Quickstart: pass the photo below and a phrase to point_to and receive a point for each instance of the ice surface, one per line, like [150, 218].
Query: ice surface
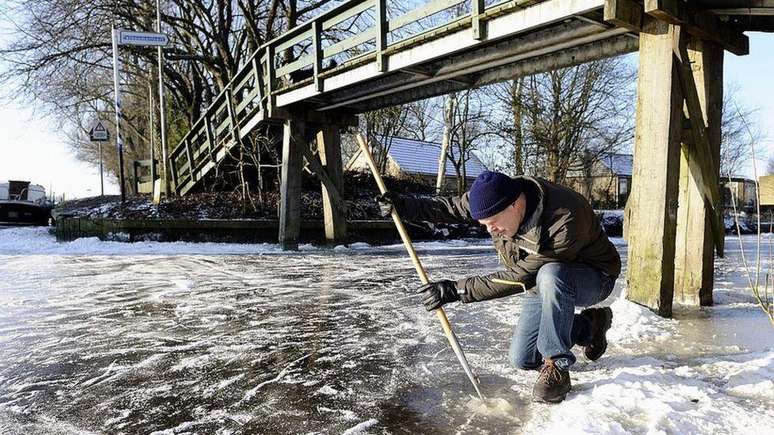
[104, 337]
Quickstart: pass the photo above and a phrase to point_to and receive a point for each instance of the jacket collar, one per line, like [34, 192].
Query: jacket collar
[530, 229]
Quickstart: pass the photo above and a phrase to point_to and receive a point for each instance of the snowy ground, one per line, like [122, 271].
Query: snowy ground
[101, 337]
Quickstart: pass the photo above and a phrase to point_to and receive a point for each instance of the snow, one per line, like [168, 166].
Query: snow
[169, 338]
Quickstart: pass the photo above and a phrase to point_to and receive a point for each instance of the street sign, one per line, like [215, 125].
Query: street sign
[128, 37]
[99, 133]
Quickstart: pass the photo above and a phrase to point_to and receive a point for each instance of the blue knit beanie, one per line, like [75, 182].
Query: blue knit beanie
[491, 193]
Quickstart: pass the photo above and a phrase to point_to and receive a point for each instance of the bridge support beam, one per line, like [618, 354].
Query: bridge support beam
[334, 213]
[293, 141]
[695, 249]
[671, 211]
[652, 210]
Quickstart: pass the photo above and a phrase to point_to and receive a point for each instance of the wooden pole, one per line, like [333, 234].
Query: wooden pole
[420, 270]
[695, 256]
[290, 187]
[652, 207]
[329, 150]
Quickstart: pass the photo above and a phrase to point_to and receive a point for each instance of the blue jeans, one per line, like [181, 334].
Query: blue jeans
[548, 325]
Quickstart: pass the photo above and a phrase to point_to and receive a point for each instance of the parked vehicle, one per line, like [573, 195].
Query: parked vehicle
[23, 203]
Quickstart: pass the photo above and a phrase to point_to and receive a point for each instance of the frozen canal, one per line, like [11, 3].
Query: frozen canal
[100, 337]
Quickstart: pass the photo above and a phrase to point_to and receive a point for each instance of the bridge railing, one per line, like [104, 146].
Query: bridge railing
[355, 31]
[361, 28]
[220, 126]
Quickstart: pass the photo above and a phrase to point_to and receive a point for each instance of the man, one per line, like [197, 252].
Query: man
[552, 244]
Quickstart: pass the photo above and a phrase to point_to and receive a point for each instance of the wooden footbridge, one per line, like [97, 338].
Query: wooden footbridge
[364, 55]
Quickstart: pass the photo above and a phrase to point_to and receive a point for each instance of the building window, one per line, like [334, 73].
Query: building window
[623, 190]
[623, 186]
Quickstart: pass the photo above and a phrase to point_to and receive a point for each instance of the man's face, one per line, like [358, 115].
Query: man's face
[506, 223]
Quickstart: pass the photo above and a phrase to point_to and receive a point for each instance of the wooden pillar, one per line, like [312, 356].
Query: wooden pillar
[695, 255]
[652, 208]
[329, 150]
[293, 139]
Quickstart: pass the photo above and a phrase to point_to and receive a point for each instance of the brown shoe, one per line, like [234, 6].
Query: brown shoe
[552, 384]
[601, 319]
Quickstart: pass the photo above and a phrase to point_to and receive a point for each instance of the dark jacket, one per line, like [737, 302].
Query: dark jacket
[562, 228]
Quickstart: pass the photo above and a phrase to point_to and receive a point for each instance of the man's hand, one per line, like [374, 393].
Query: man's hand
[436, 294]
[388, 201]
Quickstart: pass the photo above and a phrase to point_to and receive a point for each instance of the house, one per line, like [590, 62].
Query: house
[744, 193]
[606, 181]
[416, 159]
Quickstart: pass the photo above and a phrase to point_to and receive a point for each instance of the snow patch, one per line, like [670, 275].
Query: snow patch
[745, 375]
[361, 427]
[633, 323]
[182, 427]
[328, 391]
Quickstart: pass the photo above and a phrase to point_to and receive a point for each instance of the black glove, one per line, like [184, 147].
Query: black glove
[387, 202]
[436, 294]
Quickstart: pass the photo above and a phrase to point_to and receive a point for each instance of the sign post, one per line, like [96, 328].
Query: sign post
[117, 101]
[143, 39]
[99, 133]
[162, 112]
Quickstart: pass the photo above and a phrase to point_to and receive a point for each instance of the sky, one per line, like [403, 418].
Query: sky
[33, 148]
[751, 75]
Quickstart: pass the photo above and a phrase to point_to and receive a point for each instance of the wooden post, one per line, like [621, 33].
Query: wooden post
[210, 136]
[271, 100]
[381, 34]
[695, 255]
[136, 175]
[318, 54]
[189, 155]
[293, 139]
[329, 150]
[257, 77]
[652, 208]
[478, 8]
[231, 107]
[173, 172]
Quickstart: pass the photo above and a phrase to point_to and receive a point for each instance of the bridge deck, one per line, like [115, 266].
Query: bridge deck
[516, 39]
[360, 56]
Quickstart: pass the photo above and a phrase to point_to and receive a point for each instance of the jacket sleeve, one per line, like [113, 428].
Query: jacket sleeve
[495, 285]
[562, 246]
[451, 209]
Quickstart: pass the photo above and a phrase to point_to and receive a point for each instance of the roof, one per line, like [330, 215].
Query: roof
[420, 157]
[619, 164]
[736, 178]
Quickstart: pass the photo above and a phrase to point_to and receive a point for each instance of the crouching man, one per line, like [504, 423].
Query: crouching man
[551, 244]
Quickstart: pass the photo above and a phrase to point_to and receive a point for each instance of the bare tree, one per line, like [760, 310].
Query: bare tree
[549, 120]
[470, 129]
[509, 127]
[735, 139]
[448, 125]
[422, 121]
[381, 126]
[65, 64]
